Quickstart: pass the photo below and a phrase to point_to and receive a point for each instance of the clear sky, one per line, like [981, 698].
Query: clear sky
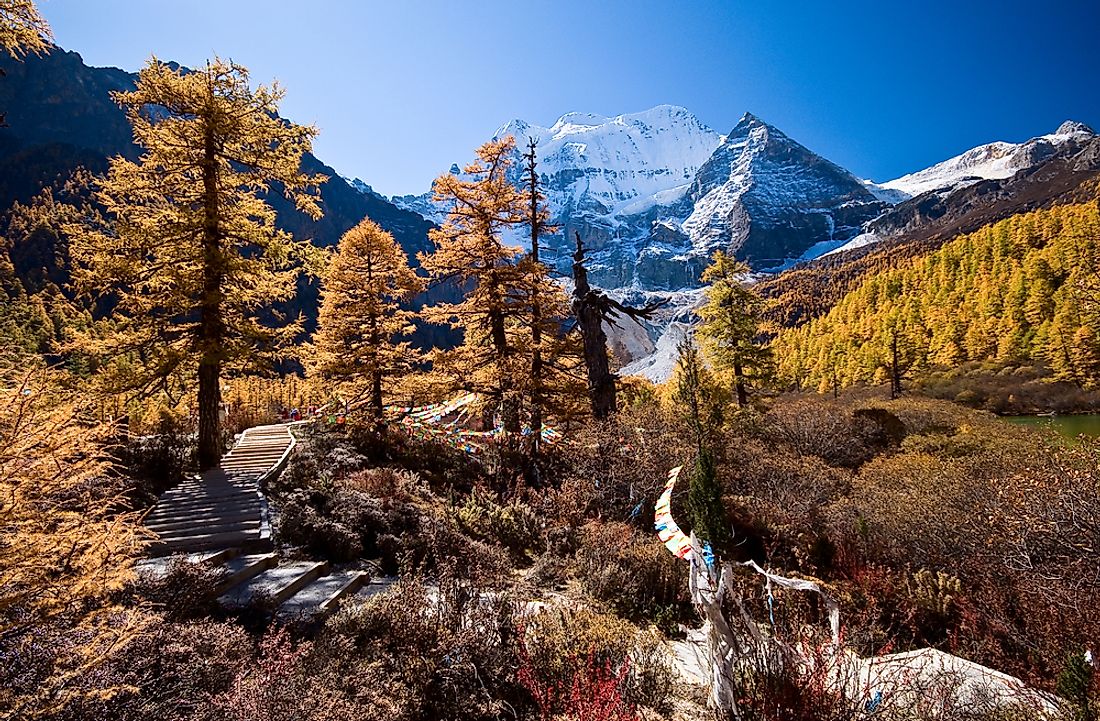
[403, 88]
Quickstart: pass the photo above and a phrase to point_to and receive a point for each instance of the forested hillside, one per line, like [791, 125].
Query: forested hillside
[1023, 291]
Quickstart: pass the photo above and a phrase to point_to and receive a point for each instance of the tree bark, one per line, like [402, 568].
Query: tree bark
[536, 316]
[739, 384]
[601, 381]
[377, 408]
[895, 370]
[509, 413]
[211, 324]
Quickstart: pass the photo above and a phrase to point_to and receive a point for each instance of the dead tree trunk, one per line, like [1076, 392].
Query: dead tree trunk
[586, 307]
[592, 309]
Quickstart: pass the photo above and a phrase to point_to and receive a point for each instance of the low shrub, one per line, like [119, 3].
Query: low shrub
[158, 461]
[442, 653]
[834, 432]
[635, 576]
[559, 642]
[301, 524]
[184, 592]
[514, 525]
[170, 673]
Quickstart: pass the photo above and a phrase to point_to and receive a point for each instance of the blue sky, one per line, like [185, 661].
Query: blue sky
[402, 89]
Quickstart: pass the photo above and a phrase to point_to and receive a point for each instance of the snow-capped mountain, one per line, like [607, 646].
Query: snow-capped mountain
[992, 161]
[596, 170]
[768, 198]
[654, 194]
[617, 166]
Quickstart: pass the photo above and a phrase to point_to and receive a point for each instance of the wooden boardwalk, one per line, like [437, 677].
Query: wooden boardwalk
[224, 507]
[221, 519]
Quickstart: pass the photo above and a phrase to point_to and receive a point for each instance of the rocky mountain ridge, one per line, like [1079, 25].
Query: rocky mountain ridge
[655, 193]
[652, 193]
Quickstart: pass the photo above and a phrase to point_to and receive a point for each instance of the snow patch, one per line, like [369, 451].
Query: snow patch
[992, 161]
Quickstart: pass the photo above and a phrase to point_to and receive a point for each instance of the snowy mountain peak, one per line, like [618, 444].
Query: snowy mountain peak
[601, 165]
[579, 121]
[770, 199]
[1072, 127]
[992, 161]
[747, 122]
[516, 128]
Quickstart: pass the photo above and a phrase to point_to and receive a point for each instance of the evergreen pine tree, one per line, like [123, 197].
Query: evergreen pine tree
[704, 505]
[1074, 684]
[730, 328]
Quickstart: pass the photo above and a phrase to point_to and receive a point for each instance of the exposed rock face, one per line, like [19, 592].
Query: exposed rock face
[924, 223]
[1051, 170]
[767, 198]
[760, 195]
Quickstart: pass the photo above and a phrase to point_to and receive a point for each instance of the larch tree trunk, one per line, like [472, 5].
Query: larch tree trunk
[376, 406]
[739, 385]
[211, 324]
[498, 332]
[536, 398]
[895, 369]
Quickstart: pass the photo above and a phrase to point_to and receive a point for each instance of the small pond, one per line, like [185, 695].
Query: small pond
[1069, 427]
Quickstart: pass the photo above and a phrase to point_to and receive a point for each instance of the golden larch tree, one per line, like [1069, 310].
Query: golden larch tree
[470, 252]
[22, 28]
[361, 323]
[66, 547]
[554, 384]
[190, 259]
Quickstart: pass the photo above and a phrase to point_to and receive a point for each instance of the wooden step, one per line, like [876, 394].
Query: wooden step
[202, 521]
[171, 534]
[203, 515]
[195, 502]
[276, 584]
[199, 499]
[251, 540]
[323, 595]
[252, 454]
[240, 569]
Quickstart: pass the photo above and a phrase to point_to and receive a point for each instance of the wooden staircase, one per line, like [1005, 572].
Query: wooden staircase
[221, 519]
[223, 507]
